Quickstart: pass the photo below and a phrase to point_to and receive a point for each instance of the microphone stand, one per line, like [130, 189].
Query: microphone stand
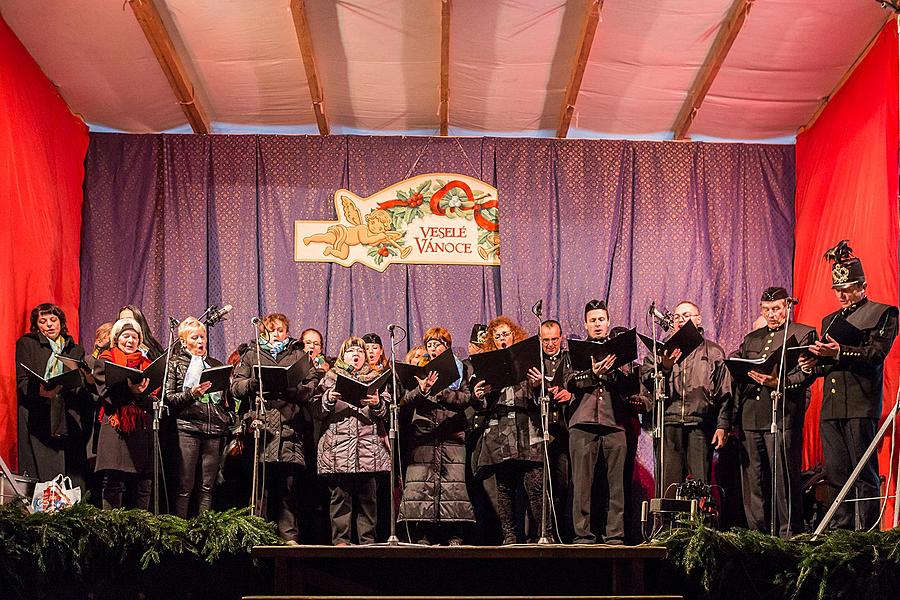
[256, 424]
[777, 395]
[393, 425]
[659, 409]
[159, 406]
[544, 401]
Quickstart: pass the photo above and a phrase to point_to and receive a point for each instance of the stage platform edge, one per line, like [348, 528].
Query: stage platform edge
[500, 572]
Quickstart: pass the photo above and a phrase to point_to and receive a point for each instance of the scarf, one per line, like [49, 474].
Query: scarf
[273, 348]
[54, 365]
[192, 378]
[129, 417]
[365, 374]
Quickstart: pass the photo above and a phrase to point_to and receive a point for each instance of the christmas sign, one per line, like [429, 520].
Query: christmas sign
[438, 218]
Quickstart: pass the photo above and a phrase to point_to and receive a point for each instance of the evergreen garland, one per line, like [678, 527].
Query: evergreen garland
[747, 565]
[84, 551]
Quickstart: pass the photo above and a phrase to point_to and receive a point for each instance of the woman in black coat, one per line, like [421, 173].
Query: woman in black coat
[124, 447]
[51, 425]
[203, 419]
[510, 445]
[283, 419]
[434, 492]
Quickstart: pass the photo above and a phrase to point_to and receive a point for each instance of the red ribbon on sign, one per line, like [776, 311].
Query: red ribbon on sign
[469, 205]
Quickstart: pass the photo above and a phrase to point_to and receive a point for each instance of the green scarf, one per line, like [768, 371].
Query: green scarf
[54, 365]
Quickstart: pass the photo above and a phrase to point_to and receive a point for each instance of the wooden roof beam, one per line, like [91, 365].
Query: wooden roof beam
[592, 19]
[444, 109]
[148, 16]
[728, 32]
[301, 26]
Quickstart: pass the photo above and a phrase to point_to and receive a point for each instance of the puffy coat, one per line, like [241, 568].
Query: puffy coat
[190, 413]
[351, 439]
[286, 413]
[435, 486]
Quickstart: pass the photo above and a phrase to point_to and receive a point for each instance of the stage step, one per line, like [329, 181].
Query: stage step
[435, 573]
[463, 597]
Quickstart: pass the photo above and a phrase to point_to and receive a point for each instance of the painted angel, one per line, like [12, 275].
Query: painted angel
[376, 230]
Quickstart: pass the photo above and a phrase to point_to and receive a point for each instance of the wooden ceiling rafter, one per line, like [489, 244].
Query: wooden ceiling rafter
[588, 31]
[150, 20]
[728, 32]
[304, 39]
[444, 109]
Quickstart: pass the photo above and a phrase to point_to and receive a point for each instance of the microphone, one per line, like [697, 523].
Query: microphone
[255, 320]
[792, 301]
[173, 322]
[217, 315]
[538, 307]
[665, 319]
[392, 327]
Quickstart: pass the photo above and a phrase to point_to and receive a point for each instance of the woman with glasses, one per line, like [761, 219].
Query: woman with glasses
[434, 495]
[314, 346]
[352, 446]
[510, 446]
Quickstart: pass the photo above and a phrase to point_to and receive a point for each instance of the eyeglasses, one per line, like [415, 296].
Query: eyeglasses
[312, 343]
[685, 316]
[500, 335]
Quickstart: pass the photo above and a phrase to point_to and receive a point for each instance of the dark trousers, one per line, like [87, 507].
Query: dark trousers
[598, 463]
[757, 448]
[844, 441]
[561, 481]
[126, 490]
[687, 451]
[281, 498]
[353, 501]
[511, 476]
[196, 450]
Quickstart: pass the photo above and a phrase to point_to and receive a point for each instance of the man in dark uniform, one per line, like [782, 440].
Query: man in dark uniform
[754, 416]
[597, 444]
[698, 406]
[556, 365]
[852, 394]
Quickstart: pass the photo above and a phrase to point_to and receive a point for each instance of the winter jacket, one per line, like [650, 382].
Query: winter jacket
[435, 484]
[286, 412]
[351, 439]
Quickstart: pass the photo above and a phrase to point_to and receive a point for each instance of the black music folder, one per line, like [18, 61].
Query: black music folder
[155, 372]
[69, 380]
[623, 346]
[508, 366]
[353, 391]
[444, 365]
[275, 378]
[741, 367]
[687, 339]
[843, 332]
[220, 377]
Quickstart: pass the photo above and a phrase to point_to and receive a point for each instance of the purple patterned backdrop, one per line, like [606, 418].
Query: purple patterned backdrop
[173, 223]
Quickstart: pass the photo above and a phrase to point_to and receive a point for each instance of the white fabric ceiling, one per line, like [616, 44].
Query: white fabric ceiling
[510, 61]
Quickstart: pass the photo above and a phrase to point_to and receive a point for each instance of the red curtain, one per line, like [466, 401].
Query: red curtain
[42, 149]
[847, 189]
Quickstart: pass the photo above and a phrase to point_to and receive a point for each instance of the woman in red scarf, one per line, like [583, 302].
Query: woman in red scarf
[125, 444]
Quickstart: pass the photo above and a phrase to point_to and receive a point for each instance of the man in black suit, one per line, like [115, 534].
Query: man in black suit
[853, 387]
[754, 416]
